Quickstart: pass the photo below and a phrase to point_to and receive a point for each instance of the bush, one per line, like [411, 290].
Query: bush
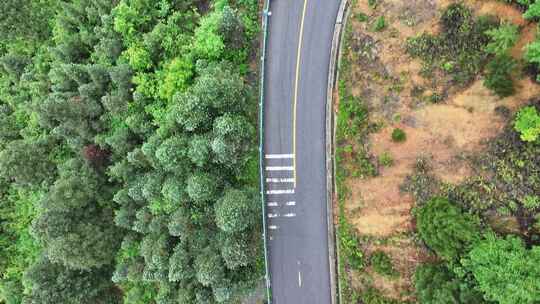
[498, 75]
[380, 24]
[374, 296]
[382, 264]
[462, 38]
[436, 284]
[502, 39]
[528, 124]
[532, 54]
[533, 11]
[446, 229]
[386, 159]
[398, 135]
[350, 246]
[352, 117]
[531, 202]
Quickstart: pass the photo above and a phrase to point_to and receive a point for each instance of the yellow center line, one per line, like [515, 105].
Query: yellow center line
[295, 100]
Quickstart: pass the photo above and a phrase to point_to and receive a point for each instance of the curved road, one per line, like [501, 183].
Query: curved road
[298, 57]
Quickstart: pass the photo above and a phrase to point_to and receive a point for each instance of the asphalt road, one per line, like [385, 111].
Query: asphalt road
[298, 56]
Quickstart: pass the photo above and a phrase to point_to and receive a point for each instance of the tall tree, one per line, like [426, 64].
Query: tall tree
[53, 283]
[446, 229]
[506, 271]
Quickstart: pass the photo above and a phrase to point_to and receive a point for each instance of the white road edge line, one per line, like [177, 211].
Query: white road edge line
[278, 156]
[277, 168]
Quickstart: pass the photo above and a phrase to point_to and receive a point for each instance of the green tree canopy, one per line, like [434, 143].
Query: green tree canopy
[528, 123]
[235, 210]
[533, 11]
[446, 229]
[502, 38]
[499, 75]
[202, 187]
[505, 270]
[53, 283]
[436, 284]
[26, 162]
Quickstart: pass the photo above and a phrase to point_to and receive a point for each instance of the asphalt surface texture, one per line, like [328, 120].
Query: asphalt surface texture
[298, 56]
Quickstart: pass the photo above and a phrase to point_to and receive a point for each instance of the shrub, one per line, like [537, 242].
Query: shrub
[446, 229]
[398, 135]
[422, 183]
[380, 24]
[350, 246]
[533, 11]
[498, 75]
[462, 38]
[532, 54]
[531, 202]
[361, 17]
[436, 284]
[386, 159]
[382, 263]
[352, 117]
[374, 296]
[502, 38]
[528, 124]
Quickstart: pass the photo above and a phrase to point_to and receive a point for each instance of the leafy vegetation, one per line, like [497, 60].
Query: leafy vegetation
[482, 265]
[460, 45]
[480, 235]
[382, 263]
[499, 75]
[126, 152]
[502, 39]
[446, 229]
[436, 284]
[398, 135]
[386, 159]
[505, 270]
[528, 124]
[380, 24]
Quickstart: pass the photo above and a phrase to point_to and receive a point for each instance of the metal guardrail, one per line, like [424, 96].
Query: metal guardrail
[333, 76]
[337, 49]
[265, 15]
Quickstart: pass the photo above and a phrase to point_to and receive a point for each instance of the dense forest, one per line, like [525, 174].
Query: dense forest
[128, 163]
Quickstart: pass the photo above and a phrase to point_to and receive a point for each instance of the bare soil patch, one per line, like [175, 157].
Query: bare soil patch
[390, 82]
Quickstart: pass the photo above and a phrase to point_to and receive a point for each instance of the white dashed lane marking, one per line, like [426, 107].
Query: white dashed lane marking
[280, 168]
[279, 180]
[279, 156]
[286, 191]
